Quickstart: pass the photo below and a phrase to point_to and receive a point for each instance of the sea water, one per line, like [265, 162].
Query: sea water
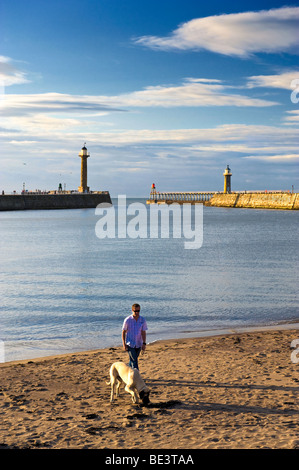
[63, 289]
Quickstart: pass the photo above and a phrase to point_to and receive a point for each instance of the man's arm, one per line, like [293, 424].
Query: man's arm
[143, 334]
[123, 335]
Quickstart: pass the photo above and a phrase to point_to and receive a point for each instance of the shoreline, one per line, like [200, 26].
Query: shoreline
[292, 324]
[230, 391]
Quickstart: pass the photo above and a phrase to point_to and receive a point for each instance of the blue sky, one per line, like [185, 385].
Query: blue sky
[166, 91]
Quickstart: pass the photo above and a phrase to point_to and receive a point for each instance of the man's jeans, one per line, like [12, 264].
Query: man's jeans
[133, 355]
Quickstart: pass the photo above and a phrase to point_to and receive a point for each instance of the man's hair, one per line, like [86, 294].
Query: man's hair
[135, 305]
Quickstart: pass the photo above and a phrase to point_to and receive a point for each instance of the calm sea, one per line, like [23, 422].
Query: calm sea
[64, 290]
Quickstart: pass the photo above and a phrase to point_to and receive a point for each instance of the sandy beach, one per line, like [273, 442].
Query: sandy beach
[235, 391]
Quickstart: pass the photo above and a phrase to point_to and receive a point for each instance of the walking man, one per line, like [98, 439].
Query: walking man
[134, 335]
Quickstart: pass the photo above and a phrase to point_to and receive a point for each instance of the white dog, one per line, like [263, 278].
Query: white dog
[121, 373]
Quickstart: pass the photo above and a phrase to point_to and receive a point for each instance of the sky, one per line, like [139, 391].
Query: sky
[162, 91]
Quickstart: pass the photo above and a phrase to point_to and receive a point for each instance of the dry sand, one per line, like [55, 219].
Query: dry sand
[233, 391]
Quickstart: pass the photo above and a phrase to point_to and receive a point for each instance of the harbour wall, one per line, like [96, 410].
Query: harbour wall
[277, 200]
[53, 201]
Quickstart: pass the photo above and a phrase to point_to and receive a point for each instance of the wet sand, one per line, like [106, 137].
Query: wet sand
[235, 391]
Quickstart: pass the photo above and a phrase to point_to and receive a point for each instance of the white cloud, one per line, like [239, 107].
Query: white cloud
[4, 59]
[283, 80]
[9, 75]
[277, 158]
[248, 136]
[292, 117]
[230, 137]
[242, 148]
[20, 104]
[23, 142]
[240, 34]
[40, 124]
[193, 92]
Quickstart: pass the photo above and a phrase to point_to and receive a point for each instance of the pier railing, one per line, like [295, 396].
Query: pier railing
[181, 197]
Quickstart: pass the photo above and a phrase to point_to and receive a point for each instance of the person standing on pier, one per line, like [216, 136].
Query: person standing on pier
[134, 335]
